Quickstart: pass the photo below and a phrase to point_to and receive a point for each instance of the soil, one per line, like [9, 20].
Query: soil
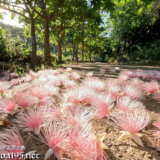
[117, 150]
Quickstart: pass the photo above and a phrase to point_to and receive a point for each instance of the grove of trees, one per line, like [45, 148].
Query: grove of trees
[81, 30]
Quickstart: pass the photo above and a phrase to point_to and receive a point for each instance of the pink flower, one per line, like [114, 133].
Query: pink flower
[126, 103]
[136, 82]
[31, 119]
[68, 69]
[80, 95]
[24, 100]
[11, 137]
[81, 116]
[123, 77]
[55, 135]
[133, 92]
[95, 84]
[4, 86]
[33, 74]
[115, 91]
[151, 87]
[8, 105]
[40, 92]
[75, 76]
[103, 71]
[132, 121]
[69, 84]
[89, 74]
[113, 70]
[84, 144]
[101, 105]
[51, 114]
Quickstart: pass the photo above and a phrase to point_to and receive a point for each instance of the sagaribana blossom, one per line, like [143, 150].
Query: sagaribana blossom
[52, 90]
[103, 71]
[89, 74]
[101, 104]
[126, 103]
[62, 78]
[68, 69]
[24, 100]
[133, 92]
[95, 84]
[123, 77]
[69, 84]
[84, 144]
[52, 113]
[39, 92]
[55, 135]
[4, 86]
[113, 70]
[11, 138]
[117, 68]
[115, 91]
[75, 76]
[33, 74]
[8, 106]
[151, 87]
[80, 95]
[81, 116]
[31, 119]
[131, 122]
[55, 72]
[136, 82]
[157, 132]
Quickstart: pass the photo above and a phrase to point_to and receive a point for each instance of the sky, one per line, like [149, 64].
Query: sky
[7, 19]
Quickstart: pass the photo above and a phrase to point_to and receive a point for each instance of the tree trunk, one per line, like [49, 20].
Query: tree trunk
[90, 57]
[73, 56]
[46, 42]
[83, 52]
[33, 61]
[77, 52]
[60, 49]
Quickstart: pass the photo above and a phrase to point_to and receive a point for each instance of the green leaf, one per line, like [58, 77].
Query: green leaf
[12, 16]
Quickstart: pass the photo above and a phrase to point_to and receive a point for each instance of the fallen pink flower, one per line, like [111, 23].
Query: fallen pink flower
[13, 143]
[4, 86]
[24, 100]
[151, 87]
[101, 105]
[103, 71]
[95, 84]
[68, 69]
[131, 122]
[84, 144]
[133, 92]
[55, 135]
[40, 92]
[126, 103]
[31, 119]
[75, 76]
[89, 74]
[8, 105]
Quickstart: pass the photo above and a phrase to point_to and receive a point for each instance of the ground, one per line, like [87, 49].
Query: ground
[116, 150]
